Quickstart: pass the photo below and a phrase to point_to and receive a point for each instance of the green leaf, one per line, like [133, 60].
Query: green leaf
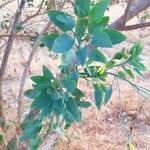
[73, 109]
[35, 142]
[101, 39]
[68, 57]
[93, 26]
[122, 75]
[47, 73]
[104, 21]
[31, 130]
[136, 50]
[68, 117]
[97, 12]
[42, 100]
[98, 95]
[84, 104]
[110, 64]
[108, 94]
[78, 93]
[138, 65]
[96, 55]
[70, 85]
[59, 106]
[115, 36]
[32, 93]
[63, 44]
[118, 56]
[46, 111]
[82, 55]
[74, 75]
[40, 80]
[1, 139]
[91, 71]
[129, 72]
[48, 40]
[40, 87]
[62, 20]
[81, 27]
[82, 8]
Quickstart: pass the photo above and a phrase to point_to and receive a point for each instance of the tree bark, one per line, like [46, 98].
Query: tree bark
[7, 52]
[135, 9]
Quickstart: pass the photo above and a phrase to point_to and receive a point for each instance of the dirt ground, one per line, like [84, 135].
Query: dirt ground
[99, 130]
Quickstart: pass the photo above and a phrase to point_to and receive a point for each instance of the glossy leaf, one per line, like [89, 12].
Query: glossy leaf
[104, 21]
[138, 65]
[81, 27]
[68, 117]
[40, 80]
[118, 56]
[136, 50]
[97, 55]
[122, 75]
[48, 40]
[115, 36]
[35, 142]
[82, 8]
[1, 139]
[59, 106]
[47, 73]
[101, 39]
[73, 109]
[70, 85]
[98, 95]
[62, 20]
[108, 94]
[32, 93]
[78, 93]
[82, 55]
[31, 130]
[84, 104]
[42, 100]
[46, 111]
[129, 72]
[63, 44]
[97, 12]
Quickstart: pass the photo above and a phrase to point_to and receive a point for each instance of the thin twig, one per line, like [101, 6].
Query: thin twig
[136, 26]
[34, 15]
[1, 6]
[126, 13]
[26, 69]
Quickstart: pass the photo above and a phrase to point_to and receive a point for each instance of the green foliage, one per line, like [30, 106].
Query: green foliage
[97, 55]
[99, 95]
[57, 98]
[62, 44]
[82, 8]
[97, 12]
[70, 85]
[108, 94]
[49, 39]
[1, 139]
[81, 26]
[31, 130]
[62, 20]
[101, 39]
[72, 107]
[82, 55]
[35, 142]
[115, 36]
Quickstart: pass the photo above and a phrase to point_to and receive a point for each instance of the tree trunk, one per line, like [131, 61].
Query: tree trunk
[7, 52]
